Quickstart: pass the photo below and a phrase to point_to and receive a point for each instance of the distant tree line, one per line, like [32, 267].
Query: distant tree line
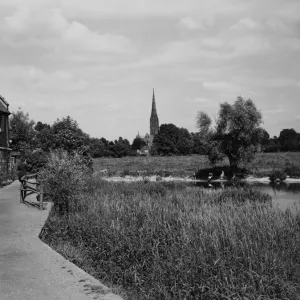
[288, 140]
[237, 134]
[28, 136]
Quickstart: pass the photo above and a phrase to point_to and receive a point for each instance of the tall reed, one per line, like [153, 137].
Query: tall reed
[171, 241]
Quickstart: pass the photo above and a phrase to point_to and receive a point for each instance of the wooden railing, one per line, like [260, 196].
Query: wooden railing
[31, 185]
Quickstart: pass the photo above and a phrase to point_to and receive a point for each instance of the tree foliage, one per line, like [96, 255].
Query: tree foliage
[237, 133]
[138, 143]
[173, 140]
[22, 132]
[289, 139]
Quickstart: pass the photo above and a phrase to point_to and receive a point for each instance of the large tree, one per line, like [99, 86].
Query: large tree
[289, 139]
[67, 135]
[121, 147]
[138, 143]
[237, 133]
[185, 142]
[173, 140]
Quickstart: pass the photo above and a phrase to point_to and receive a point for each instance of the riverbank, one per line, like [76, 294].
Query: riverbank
[129, 178]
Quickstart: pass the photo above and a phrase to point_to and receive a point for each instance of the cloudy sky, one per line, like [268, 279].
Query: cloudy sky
[98, 61]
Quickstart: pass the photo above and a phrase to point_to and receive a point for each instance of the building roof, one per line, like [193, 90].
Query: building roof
[4, 105]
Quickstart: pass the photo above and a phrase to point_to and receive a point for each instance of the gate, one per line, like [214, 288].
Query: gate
[31, 185]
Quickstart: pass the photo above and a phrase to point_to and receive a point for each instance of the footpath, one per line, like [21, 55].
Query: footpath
[31, 270]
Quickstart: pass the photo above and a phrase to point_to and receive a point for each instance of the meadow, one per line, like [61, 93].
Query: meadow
[261, 166]
[173, 241]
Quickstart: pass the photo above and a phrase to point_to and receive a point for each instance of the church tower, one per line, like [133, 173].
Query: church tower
[154, 124]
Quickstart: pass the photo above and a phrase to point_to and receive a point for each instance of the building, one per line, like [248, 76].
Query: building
[144, 151]
[4, 138]
[154, 122]
[154, 128]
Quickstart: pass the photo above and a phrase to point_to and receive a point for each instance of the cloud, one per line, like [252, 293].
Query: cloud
[188, 23]
[204, 102]
[220, 86]
[36, 79]
[277, 109]
[202, 23]
[276, 82]
[278, 25]
[249, 45]
[112, 107]
[197, 99]
[213, 42]
[246, 23]
[290, 43]
[49, 28]
[147, 7]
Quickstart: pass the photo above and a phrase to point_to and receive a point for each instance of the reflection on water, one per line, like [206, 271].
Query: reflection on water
[284, 195]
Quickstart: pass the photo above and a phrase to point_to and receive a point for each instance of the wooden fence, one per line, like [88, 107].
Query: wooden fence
[31, 185]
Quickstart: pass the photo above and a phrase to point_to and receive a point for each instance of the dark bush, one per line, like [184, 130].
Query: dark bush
[292, 170]
[36, 160]
[277, 175]
[217, 171]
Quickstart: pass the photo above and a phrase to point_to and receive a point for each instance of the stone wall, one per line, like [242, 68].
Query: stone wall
[7, 167]
[3, 130]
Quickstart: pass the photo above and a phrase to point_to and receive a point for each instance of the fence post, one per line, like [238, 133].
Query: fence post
[41, 196]
[21, 193]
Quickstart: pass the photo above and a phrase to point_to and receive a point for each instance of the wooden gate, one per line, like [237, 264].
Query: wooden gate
[31, 185]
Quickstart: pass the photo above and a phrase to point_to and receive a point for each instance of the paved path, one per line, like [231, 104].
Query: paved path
[29, 269]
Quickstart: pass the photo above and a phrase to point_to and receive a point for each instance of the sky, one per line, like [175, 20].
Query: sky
[98, 61]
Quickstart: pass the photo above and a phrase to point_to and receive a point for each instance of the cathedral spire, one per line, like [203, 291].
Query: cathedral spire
[153, 111]
[154, 123]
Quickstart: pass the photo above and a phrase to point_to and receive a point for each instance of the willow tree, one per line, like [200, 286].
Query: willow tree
[237, 133]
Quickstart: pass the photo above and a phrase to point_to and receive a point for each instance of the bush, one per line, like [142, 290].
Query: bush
[277, 175]
[217, 171]
[65, 178]
[292, 170]
[36, 160]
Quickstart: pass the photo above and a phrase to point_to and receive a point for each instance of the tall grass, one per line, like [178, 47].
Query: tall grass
[171, 241]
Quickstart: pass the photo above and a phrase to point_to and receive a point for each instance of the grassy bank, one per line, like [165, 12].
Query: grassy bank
[261, 166]
[171, 241]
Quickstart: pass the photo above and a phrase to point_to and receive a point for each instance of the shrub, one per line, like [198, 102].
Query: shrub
[228, 172]
[277, 174]
[65, 178]
[292, 170]
[125, 172]
[36, 160]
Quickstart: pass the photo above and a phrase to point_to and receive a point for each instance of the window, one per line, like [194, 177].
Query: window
[2, 123]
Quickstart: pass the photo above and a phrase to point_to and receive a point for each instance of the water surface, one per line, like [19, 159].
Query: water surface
[284, 195]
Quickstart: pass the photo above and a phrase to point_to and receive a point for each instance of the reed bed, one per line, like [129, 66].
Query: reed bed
[173, 241]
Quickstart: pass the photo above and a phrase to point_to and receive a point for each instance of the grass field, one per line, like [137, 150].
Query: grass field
[261, 166]
[169, 241]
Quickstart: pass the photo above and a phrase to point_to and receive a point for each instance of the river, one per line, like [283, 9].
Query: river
[284, 195]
